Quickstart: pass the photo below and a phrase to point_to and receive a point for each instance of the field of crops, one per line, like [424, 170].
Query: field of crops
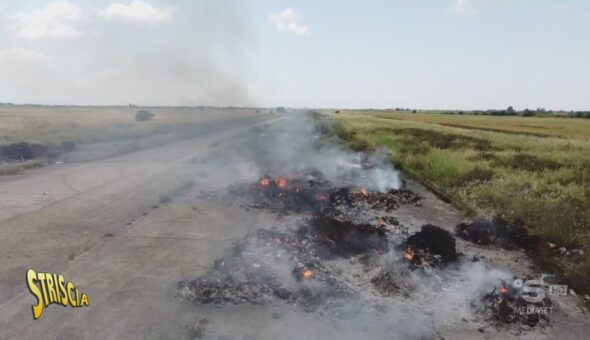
[535, 169]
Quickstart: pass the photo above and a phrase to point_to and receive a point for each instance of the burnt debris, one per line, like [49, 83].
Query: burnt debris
[496, 231]
[507, 304]
[314, 194]
[251, 273]
[332, 237]
[312, 266]
[432, 245]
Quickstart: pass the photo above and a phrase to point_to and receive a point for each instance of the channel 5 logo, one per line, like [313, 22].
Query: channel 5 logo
[535, 291]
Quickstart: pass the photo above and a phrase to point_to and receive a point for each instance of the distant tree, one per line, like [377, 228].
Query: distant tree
[413, 111]
[510, 110]
[143, 115]
[281, 109]
[528, 113]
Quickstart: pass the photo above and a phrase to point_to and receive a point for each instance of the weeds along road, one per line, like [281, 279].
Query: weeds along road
[102, 225]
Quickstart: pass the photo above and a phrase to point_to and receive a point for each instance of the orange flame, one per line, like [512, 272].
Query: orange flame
[364, 192]
[409, 254]
[503, 290]
[282, 183]
[307, 274]
[264, 182]
[381, 221]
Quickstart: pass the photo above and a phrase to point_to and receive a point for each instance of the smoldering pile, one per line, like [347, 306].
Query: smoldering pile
[509, 305]
[302, 266]
[494, 230]
[308, 267]
[431, 245]
[499, 232]
[268, 265]
[312, 193]
[425, 252]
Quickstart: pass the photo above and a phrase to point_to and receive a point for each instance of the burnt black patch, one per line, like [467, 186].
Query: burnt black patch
[432, 244]
[344, 238]
[494, 230]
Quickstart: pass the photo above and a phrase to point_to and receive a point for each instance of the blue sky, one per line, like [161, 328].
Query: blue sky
[400, 53]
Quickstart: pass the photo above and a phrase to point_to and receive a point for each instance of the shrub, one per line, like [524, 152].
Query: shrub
[143, 115]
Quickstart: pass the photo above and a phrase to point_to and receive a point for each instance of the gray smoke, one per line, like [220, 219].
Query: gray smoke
[437, 299]
[195, 58]
[292, 146]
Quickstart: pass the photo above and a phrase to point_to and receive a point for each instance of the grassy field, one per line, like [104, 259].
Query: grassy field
[52, 125]
[536, 169]
[102, 132]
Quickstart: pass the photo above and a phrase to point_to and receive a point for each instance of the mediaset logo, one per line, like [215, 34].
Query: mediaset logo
[51, 288]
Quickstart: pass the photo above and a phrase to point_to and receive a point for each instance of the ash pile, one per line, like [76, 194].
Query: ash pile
[265, 266]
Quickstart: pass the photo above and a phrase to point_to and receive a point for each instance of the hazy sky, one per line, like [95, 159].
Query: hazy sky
[305, 53]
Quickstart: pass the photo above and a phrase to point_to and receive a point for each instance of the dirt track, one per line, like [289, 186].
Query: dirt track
[104, 226]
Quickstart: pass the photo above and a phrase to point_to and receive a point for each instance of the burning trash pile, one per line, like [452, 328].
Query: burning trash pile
[430, 246]
[521, 303]
[314, 194]
[422, 254]
[302, 267]
[309, 266]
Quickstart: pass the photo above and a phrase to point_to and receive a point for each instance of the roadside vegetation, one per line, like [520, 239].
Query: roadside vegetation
[532, 169]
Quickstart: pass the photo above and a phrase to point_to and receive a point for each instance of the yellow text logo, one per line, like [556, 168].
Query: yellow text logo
[53, 289]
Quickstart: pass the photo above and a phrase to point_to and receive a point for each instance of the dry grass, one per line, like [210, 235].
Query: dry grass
[52, 125]
[539, 126]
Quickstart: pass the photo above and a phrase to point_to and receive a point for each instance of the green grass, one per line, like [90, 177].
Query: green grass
[534, 169]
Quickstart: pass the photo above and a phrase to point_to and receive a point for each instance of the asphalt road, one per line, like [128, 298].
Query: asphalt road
[102, 225]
